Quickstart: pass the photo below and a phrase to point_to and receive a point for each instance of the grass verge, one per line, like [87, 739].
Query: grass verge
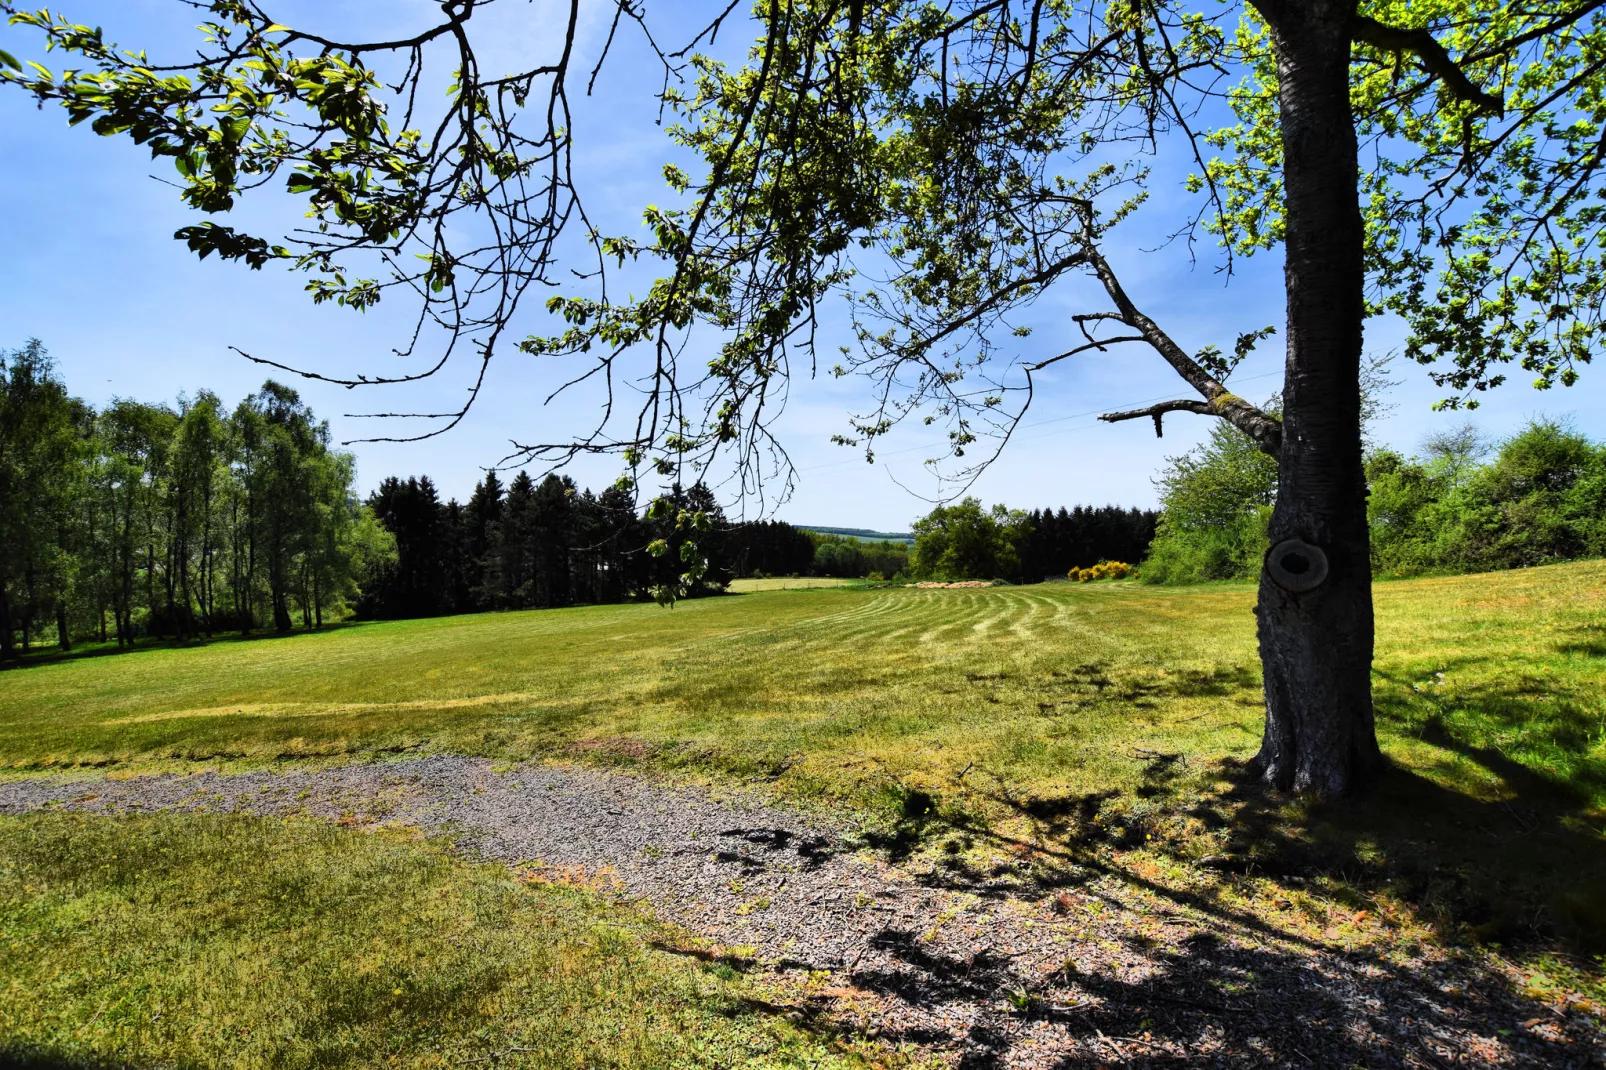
[197, 941]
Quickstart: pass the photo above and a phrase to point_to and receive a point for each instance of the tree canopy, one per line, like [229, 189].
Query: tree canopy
[963, 541]
[971, 146]
[179, 521]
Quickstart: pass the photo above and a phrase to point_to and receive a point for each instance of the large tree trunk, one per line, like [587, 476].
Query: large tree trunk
[6, 639]
[63, 628]
[278, 592]
[1315, 607]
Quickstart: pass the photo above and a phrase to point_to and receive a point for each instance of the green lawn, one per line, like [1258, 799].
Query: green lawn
[993, 709]
[790, 583]
[228, 941]
[1040, 686]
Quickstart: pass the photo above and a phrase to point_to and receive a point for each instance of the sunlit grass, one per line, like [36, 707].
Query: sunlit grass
[790, 583]
[982, 706]
[1047, 686]
[228, 941]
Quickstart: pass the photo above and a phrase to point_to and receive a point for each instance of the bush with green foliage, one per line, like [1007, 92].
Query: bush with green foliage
[1541, 499]
[1217, 502]
[965, 541]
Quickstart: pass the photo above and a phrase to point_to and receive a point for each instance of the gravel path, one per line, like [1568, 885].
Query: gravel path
[1110, 972]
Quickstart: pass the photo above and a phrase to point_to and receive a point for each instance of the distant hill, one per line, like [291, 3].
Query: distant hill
[863, 534]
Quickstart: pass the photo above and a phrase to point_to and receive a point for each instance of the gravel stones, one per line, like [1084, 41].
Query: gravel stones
[976, 975]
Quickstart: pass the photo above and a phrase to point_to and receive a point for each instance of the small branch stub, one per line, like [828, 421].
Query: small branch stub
[1296, 565]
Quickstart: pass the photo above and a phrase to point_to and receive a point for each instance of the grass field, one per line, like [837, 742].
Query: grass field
[1048, 713]
[226, 941]
[789, 583]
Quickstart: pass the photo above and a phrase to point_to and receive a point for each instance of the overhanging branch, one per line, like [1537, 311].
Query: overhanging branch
[1158, 411]
[1426, 47]
[1266, 430]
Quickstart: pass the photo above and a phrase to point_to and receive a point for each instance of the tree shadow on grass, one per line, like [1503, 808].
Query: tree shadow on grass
[1518, 857]
[1527, 869]
[1250, 987]
[54, 656]
[1241, 992]
[1514, 863]
[15, 1056]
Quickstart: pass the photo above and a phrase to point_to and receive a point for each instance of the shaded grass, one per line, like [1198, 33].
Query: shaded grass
[1031, 713]
[232, 941]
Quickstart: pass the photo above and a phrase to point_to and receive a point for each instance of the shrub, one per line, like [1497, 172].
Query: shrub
[1230, 550]
[1540, 500]
[1217, 503]
[1104, 570]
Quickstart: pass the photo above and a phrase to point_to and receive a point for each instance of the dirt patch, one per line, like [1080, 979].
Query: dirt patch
[612, 746]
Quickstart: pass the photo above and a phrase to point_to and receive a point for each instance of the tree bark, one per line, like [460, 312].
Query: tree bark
[1315, 604]
[29, 608]
[278, 585]
[63, 627]
[6, 638]
[281, 612]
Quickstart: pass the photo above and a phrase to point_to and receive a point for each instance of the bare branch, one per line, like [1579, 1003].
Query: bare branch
[1100, 344]
[1203, 408]
[1266, 430]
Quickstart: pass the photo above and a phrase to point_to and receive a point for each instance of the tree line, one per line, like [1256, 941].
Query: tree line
[540, 545]
[529, 544]
[1463, 504]
[965, 541]
[185, 520]
[154, 520]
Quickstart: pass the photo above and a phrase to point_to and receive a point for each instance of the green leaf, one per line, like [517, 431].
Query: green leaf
[9, 60]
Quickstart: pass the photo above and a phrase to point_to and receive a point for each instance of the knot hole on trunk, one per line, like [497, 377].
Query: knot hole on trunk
[1296, 565]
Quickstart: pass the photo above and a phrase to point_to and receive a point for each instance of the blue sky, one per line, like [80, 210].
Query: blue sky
[90, 268]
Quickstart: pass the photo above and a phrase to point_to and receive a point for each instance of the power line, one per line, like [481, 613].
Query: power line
[1037, 423]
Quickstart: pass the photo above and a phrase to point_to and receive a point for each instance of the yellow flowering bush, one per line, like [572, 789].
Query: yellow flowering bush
[1104, 570]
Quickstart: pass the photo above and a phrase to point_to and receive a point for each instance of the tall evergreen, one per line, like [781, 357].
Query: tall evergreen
[550, 531]
[480, 519]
